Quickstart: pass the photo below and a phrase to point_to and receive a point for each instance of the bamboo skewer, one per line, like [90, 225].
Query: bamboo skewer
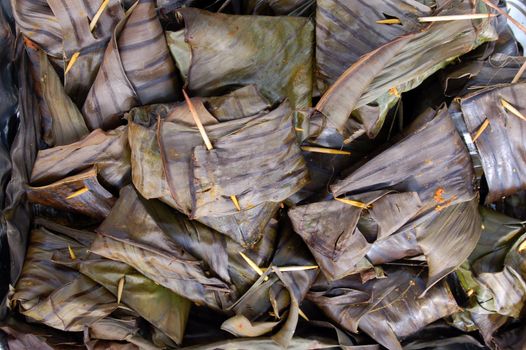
[353, 203]
[71, 62]
[233, 198]
[252, 264]
[204, 136]
[78, 193]
[120, 289]
[325, 150]
[481, 129]
[71, 253]
[197, 121]
[441, 18]
[519, 73]
[294, 268]
[92, 26]
[507, 106]
[95, 19]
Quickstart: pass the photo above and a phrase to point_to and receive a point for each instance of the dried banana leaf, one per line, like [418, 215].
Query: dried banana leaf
[508, 290]
[279, 7]
[24, 336]
[104, 333]
[80, 193]
[16, 215]
[445, 238]
[433, 162]
[182, 255]
[500, 144]
[240, 103]
[62, 121]
[108, 151]
[131, 235]
[266, 146]
[462, 79]
[63, 30]
[148, 174]
[516, 257]
[273, 53]
[386, 309]
[137, 69]
[37, 21]
[9, 94]
[271, 293]
[499, 233]
[347, 30]
[54, 294]
[401, 64]
[158, 305]
[448, 239]
[336, 238]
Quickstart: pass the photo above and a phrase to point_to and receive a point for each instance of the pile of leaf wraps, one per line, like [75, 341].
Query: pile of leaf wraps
[262, 174]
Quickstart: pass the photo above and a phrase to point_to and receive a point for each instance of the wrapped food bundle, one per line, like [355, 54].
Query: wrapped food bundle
[299, 174]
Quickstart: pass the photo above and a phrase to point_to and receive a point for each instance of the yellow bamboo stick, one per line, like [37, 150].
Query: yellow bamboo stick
[353, 203]
[71, 253]
[512, 109]
[481, 129]
[95, 19]
[120, 289]
[78, 193]
[325, 150]
[236, 203]
[197, 121]
[441, 18]
[71, 62]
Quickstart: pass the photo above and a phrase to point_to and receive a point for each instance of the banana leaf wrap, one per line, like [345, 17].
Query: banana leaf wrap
[439, 170]
[137, 69]
[80, 193]
[400, 61]
[54, 293]
[387, 309]
[62, 122]
[108, 151]
[149, 175]
[173, 253]
[500, 145]
[273, 53]
[62, 29]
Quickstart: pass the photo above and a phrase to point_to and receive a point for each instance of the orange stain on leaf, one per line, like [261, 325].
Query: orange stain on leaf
[439, 195]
